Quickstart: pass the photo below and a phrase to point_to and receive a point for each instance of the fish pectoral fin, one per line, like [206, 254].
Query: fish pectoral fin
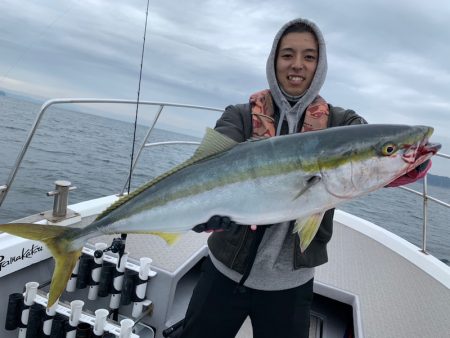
[307, 229]
[169, 238]
[311, 181]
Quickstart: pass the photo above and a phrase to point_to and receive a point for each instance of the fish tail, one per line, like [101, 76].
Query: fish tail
[57, 239]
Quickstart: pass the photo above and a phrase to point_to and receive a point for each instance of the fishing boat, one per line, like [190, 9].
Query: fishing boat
[376, 284]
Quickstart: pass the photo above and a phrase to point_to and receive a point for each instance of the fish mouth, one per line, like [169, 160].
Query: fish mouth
[430, 148]
[418, 154]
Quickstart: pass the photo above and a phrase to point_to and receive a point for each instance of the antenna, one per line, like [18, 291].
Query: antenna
[137, 101]
[123, 237]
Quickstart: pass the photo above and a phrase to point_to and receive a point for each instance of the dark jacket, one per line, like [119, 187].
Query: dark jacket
[232, 247]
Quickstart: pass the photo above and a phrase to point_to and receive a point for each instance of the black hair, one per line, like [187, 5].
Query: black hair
[299, 27]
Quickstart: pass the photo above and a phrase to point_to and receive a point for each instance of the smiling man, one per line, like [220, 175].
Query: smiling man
[263, 274]
[296, 62]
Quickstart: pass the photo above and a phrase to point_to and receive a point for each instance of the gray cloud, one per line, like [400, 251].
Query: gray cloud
[388, 60]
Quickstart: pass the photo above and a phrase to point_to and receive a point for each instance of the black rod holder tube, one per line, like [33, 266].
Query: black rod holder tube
[128, 287]
[59, 326]
[106, 277]
[35, 321]
[14, 311]
[84, 330]
[84, 271]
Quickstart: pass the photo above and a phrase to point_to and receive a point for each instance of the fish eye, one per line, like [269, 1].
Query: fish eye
[389, 149]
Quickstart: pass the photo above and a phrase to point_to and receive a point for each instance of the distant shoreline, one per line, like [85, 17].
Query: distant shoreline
[438, 181]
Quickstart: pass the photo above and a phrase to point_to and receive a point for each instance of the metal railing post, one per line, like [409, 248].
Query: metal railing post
[138, 155]
[425, 215]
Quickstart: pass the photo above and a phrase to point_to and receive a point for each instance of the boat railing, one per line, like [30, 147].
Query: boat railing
[426, 198]
[4, 189]
[161, 105]
[153, 144]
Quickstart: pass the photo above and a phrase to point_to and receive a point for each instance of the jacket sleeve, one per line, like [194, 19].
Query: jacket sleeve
[235, 122]
[344, 117]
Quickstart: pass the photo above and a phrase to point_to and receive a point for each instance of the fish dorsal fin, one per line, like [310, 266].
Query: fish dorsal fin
[213, 143]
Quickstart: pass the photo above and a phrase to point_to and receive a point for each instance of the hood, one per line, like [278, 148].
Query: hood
[293, 114]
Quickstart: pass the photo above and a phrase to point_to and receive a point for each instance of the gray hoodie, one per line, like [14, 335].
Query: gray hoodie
[293, 114]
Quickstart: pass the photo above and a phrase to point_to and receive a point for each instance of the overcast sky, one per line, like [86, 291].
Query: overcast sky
[388, 59]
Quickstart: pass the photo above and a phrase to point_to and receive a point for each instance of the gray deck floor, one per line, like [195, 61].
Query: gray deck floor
[397, 299]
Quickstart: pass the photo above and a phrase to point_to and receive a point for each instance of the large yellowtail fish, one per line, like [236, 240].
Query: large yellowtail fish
[267, 181]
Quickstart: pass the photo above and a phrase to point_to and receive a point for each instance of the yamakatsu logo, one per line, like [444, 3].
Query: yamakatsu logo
[26, 254]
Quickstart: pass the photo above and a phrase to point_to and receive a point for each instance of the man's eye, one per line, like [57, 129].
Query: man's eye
[310, 57]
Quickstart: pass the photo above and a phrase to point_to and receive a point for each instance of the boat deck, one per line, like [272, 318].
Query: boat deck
[391, 292]
[387, 291]
[394, 289]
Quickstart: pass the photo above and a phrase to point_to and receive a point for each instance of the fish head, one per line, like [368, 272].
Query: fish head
[369, 157]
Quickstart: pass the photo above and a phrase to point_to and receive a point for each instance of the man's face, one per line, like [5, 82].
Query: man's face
[296, 62]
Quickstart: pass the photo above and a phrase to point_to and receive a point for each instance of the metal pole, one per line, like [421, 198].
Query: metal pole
[425, 215]
[19, 159]
[138, 155]
[4, 189]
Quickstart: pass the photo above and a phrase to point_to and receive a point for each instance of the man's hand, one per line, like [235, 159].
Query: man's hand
[215, 224]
